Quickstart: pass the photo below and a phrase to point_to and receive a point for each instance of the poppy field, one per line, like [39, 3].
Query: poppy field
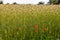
[29, 22]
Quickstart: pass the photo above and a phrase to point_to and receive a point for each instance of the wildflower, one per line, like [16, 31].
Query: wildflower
[36, 26]
[44, 28]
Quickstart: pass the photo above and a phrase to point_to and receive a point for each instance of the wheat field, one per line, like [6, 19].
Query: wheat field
[29, 22]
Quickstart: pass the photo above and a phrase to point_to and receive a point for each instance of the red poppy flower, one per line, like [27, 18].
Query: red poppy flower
[44, 29]
[36, 26]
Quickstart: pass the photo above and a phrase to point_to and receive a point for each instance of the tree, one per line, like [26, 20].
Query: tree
[1, 2]
[14, 3]
[58, 1]
[49, 2]
[7, 3]
[54, 1]
[40, 3]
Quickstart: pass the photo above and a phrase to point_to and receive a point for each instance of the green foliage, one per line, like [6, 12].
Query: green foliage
[54, 1]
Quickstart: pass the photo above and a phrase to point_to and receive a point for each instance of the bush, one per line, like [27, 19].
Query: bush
[1, 2]
[7, 3]
[14, 3]
[40, 3]
[54, 1]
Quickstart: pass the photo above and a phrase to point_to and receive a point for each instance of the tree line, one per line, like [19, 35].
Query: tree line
[50, 2]
[54, 1]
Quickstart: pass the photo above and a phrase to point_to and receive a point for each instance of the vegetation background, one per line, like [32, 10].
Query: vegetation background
[29, 22]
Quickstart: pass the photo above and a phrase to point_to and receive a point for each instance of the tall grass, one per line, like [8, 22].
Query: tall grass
[29, 22]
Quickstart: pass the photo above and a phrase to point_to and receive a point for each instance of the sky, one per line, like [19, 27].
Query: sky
[25, 1]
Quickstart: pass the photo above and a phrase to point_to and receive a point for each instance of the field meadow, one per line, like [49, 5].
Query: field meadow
[29, 22]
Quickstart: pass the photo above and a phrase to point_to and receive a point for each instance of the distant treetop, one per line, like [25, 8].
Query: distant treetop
[40, 3]
[54, 1]
[1, 2]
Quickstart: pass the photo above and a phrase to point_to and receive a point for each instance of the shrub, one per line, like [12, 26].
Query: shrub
[1, 2]
[40, 3]
[14, 3]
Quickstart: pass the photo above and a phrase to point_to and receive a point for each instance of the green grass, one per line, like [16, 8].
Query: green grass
[17, 22]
